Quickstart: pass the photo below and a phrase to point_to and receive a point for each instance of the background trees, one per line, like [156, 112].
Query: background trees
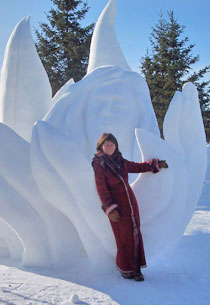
[63, 44]
[168, 65]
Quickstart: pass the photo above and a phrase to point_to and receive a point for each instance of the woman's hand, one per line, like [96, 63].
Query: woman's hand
[114, 216]
[162, 164]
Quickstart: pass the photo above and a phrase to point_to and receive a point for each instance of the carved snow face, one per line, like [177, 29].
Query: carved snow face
[117, 104]
[109, 99]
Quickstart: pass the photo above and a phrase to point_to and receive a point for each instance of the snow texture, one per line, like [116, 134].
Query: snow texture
[105, 49]
[50, 209]
[25, 91]
[179, 279]
[62, 91]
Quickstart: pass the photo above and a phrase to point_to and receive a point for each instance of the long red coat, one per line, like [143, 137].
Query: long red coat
[115, 192]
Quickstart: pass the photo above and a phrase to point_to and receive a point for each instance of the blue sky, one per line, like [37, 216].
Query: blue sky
[134, 22]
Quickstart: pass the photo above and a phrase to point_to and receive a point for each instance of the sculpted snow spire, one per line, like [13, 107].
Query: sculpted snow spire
[105, 49]
[25, 91]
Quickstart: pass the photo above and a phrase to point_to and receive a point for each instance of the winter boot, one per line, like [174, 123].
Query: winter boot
[138, 277]
[127, 275]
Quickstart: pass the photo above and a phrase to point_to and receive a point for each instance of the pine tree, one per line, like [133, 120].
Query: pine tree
[168, 66]
[204, 97]
[63, 44]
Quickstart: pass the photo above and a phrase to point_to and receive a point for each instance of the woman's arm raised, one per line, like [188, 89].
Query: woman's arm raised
[153, 165]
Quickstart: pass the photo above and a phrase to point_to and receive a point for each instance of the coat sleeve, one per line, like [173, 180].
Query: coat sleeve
[108, 204]
[141, 167]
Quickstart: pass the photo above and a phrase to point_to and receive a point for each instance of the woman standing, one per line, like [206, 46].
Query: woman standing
[119, 202]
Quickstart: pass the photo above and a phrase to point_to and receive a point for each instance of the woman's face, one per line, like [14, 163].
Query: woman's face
[108, 147]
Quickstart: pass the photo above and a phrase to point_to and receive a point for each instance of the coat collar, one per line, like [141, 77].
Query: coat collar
[114, 162]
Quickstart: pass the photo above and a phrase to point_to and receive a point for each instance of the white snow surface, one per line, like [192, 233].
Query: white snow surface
[25, 91]
[182, 278]
[105, 49]
[62, 91]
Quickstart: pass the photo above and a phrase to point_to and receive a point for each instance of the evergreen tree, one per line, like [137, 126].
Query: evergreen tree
[204, 97]
[167, 68]
[63, 44]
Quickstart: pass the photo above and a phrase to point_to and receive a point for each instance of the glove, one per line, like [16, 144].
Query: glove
[157, 164]
[162, 164]
[114, 216]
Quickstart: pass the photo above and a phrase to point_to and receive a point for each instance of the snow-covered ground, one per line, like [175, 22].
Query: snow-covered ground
[180, 279]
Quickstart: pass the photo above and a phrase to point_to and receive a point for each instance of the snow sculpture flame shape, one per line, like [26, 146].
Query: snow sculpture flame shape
[22, 73]
[50, 210]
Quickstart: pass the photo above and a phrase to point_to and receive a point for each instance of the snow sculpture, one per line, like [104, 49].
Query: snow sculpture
[59, 199]
[105, 49]
[25, 91]
[62, 91]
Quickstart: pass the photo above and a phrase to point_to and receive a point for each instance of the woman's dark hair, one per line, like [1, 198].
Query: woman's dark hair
[106, 137]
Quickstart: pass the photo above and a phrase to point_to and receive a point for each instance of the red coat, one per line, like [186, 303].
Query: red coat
[115, 192]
